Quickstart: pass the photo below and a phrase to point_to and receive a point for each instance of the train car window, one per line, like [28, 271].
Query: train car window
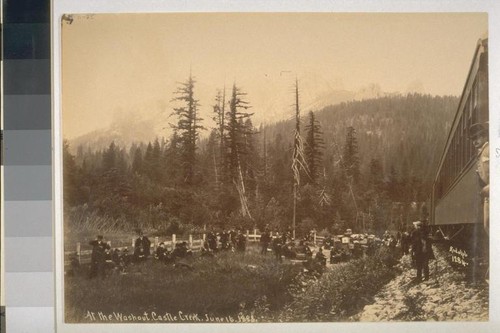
[470, 121]
[467, 143]
[461, 144]
[474, 114]
[464, 143]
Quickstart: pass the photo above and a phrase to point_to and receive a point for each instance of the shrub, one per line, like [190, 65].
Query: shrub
[339, 293]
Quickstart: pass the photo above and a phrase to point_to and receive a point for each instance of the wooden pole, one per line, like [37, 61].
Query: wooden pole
[190, 240]
[294, 208]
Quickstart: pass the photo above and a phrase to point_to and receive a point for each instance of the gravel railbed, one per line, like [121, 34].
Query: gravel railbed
[445, 297]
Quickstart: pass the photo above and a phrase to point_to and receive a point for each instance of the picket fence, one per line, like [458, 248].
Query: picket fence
[83, 255]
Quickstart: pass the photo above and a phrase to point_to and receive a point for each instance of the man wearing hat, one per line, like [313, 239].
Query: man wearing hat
[478, 133]
[142, 248]
[98, 258]
[421, 250]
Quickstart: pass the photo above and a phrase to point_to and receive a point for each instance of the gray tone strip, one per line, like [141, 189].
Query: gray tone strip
[26, 41]
[27, 147]
[26, 77]
[29, 290]
[28, 320]
[28, 254]
[27, 183]
[27, 112]
[28, 218]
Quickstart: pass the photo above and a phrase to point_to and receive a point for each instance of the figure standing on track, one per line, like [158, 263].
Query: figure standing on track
[478, 133]
[421, 250]
[142, 248]
[98, 258]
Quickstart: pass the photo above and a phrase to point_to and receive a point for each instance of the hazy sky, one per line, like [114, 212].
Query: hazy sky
[126, 66]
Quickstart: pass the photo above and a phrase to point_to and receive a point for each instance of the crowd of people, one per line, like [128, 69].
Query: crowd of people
[415, 243]
[232, 240]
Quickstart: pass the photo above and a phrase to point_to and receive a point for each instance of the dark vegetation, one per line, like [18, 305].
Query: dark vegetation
[371, 167]
[225, 285]
[342, 291]
[231, 284]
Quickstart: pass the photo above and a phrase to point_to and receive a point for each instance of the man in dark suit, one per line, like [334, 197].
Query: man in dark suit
[265, 239]
[98, 258]
[142, 248]
[421, 250]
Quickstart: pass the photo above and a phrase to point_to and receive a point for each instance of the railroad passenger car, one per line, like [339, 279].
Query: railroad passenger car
[456, 205]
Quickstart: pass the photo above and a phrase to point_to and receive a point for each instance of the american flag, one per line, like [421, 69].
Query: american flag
[299, 161]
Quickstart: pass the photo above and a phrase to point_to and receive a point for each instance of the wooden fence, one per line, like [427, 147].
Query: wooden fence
[83, 255]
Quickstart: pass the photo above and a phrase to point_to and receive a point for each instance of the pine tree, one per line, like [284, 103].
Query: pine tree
[314, 148]
[235, 132]
[376, 176]
[250, 156]
[235, 148]
[137, 163]
[110, 157]
[393, 186]
[188, 126]
[148, 161]
[156, 161]
[172, 161]
[350, 155]
[70, 176]
[219, 117]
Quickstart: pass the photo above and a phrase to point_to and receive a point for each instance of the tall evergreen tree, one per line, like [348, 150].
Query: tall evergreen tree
[188, 126]
[71, 177]
[137, 163]
[376, 175]
[219, 117]
[148, 161]
[393, 185]
[110, 157]
[314, 148]
[172, 161]
[235, 132]
[350, 155]
[156, 161]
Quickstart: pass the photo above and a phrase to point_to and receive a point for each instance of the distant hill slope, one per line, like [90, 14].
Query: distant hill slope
[407, 132]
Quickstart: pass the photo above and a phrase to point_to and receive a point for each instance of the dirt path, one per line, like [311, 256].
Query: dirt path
[445, 297]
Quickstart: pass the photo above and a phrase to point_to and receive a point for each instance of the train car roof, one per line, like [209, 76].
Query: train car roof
[481, 47]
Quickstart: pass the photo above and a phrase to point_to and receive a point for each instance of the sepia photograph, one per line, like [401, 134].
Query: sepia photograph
[274, 167]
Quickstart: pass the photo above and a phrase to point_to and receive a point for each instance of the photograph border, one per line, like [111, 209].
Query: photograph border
[60, 7]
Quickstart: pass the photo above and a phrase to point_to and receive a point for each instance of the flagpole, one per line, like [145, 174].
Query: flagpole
[294, 208]
[295, 153]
